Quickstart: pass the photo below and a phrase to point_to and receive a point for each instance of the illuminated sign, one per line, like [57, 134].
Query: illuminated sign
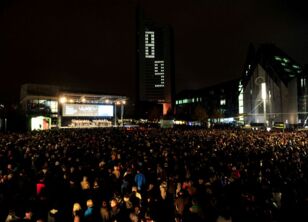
[87, 110]
[40, 123]
[149, 44]
[159, 70]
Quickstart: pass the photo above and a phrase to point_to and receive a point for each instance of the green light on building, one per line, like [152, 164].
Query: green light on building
[277, 58]
[295, 66]
[286, 60]
[287, 70]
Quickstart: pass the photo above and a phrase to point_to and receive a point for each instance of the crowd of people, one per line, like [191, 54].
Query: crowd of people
[118, 174]
[88, 123]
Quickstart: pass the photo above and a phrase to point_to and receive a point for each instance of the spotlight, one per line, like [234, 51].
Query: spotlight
[63, 99]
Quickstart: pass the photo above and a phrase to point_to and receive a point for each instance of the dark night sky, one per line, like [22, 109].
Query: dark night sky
[91, 44]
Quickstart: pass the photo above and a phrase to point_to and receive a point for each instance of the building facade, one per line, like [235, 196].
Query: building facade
[274, 88]
[154, 63]
[47, 106]
[216, 104]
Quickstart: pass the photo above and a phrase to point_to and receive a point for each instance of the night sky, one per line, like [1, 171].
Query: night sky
[91, 44]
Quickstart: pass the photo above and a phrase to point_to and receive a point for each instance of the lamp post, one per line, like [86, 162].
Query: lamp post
[122, 103]
[122, 111]
[62, 101]
[115, 113]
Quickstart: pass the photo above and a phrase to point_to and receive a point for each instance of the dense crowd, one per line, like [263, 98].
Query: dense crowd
[118, 174]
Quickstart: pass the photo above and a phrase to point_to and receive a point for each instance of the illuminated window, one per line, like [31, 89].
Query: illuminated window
[283, 64]
[177, 102]
[286, 60]
[241, 102]
[277, 58]
[303, 82]
[186, 101]
[193, 100]
[159, 85]
[159, 71]
[149, 44]
[222, 102]
[295, 66]
[287, 70]
[54, 106]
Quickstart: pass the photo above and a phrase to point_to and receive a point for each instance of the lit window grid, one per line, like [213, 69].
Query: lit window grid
[159, 85]
[149, 53]
[159, 61]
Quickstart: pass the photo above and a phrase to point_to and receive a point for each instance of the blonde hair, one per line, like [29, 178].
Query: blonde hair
[76, 207]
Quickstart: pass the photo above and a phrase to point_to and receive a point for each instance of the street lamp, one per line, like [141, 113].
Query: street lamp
[122, 103]
[62, 99]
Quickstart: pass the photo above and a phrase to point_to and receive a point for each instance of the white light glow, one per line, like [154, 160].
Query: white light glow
[87, 110]
[222, 102]
[159, 70]
[62, 100]
[149, 44]
[263, 91]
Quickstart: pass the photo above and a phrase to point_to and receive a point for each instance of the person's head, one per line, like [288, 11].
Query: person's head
[133, 217]
[95, 184]
[134, 189]
[104, 203]
[28, 215]
[126, 198]
[113, 203]
[90, 203]
[163, 186]
[76, 207]
[113, 156]
[151, 186]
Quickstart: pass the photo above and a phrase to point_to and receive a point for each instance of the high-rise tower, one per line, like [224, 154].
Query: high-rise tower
[154, 64]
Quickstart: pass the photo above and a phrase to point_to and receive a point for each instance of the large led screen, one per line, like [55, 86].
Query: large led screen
[87, 110]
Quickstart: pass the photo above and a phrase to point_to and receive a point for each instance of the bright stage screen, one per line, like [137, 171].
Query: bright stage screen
[87, 110]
